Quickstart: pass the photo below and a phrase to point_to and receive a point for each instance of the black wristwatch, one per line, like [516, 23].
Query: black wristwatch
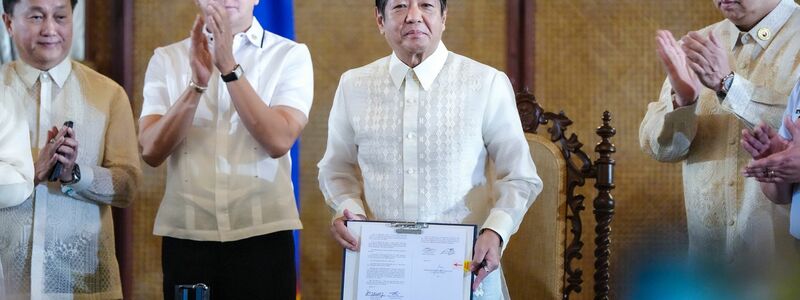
[76, 175]
[233, 75]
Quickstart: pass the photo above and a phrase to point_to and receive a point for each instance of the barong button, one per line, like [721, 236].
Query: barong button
[731, 183]
[410, 171]
[731, 222]
[764, 34]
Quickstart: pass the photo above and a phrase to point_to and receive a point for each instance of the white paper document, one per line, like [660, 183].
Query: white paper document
[418, 264]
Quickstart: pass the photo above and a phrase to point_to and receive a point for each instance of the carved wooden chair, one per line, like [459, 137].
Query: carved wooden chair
[542, 260]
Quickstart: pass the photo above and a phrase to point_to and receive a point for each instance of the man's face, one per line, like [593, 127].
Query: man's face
[42, 31]
[240, 12]
[745, 12]
[412, 26]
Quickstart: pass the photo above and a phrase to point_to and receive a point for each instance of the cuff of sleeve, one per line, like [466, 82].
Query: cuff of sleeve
[353, 205]
[502, 223]
[737, 92]
[87, 177]
[14, 194]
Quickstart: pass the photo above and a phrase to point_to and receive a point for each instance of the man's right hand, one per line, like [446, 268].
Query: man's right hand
[762, 141]
[340, 232]
[200, 59]
[683, 79]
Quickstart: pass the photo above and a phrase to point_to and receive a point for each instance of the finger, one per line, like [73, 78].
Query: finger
[70, 142]
[51, 134]
[348, 215]
[61, 133]
[691, 44]
[339, 239]
[750, 149]
[713, 39]
[696, 68]
[342, 232]
[66, 151]
[699, 38]
[216, 17]
[64, 160]
[478, 257]
[700, 60]
[479, 278]
[197, 27]
[221, 16]
[344, 243]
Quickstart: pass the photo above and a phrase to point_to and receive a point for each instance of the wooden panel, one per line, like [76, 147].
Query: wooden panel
[593, 56]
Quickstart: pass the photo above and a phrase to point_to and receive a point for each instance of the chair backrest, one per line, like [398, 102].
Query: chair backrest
[540, 261]
[534, 262]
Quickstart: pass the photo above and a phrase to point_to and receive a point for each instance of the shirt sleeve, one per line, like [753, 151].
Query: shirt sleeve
[114, 182]
[339, 178]
[666, 133]
[754, 104]
[16, 162]
[155, 92]
[517, 185]
[296, 86]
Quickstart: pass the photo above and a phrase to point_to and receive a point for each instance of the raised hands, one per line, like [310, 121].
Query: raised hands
[201, 60]
[707, 58]
[220, 53]
[61, 146]
[681, 76]
[781, 163]
[218, 22]
[762, 141]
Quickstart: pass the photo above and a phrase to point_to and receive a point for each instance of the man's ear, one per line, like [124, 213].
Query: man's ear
[379, 19]
[7, 22]
[444, 19]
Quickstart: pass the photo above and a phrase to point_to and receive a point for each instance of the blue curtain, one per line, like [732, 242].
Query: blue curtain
[277, 16]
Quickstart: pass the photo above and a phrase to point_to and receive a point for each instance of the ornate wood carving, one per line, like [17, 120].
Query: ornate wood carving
[579, 167]
[603, 207]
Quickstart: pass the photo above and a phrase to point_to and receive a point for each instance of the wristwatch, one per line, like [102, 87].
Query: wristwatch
[725, 83]
[76, 176]
[233, 75]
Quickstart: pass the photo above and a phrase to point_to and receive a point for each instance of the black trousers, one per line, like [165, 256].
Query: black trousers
[260, 267]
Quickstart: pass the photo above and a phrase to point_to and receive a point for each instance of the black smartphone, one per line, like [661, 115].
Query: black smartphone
[57, 168]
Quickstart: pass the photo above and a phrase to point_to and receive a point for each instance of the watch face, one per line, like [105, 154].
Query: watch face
[235, 75]
[76, 173]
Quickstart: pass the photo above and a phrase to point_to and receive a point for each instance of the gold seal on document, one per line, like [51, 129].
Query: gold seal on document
[764, 34]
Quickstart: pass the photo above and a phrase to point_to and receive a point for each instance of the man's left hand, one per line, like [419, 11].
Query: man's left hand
[707, 58]
[487, 249]
[218, 23]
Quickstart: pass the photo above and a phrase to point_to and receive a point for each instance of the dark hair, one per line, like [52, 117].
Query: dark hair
[8, 5]
[381, 5]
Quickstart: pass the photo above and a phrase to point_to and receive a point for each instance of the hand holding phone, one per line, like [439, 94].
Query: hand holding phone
[59, 166]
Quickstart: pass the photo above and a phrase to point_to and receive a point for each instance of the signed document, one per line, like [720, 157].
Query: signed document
[409, 261]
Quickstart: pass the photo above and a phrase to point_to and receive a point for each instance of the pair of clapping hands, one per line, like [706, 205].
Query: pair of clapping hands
[61, 146]
[775, 159]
